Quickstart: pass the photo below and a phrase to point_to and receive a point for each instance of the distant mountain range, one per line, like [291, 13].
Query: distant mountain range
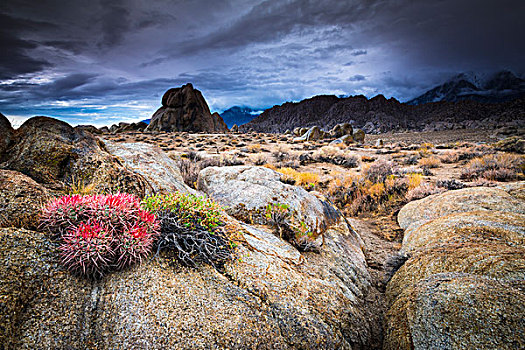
[239, 115]
[466, 101]
[500, 87]
[380, 115]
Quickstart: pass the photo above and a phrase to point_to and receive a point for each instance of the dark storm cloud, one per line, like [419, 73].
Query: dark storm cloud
[359, 53]
[271, 20]
[16, 58]
[115, 22]
[65, 54]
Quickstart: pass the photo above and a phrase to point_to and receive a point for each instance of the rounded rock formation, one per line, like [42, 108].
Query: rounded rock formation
[184, 109]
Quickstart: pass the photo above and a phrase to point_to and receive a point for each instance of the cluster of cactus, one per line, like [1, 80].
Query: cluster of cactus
[100, 232]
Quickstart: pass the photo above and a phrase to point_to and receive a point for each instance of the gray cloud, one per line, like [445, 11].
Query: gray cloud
[359, 52]
[246, 52]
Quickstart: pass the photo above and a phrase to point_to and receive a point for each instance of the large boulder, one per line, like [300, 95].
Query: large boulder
[160, 171]
[269, 297]
[462, 286]
[184, 109]
[53, 153]
[21, 199]
[341, 130]
[124, 127]
[6, 134]
[457, 311]
[472, 226]
[313, 134]
[358, 136]
[495, 260]
[248, 190]
[421, 211]
[89, 128]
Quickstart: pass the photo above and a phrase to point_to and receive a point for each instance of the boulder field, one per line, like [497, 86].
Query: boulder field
[270, 296]
[461, 287]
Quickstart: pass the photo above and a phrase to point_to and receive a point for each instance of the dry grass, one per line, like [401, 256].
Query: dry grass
[306, 180]
[414, 180]
[495, 167]
[254, 148]
[430, 162]
[449, 157]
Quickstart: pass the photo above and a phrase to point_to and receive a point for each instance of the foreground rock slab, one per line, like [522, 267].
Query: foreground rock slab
[463, 286]
[269, 297]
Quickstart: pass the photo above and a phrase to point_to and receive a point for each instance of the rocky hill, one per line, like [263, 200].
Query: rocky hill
[379, 115]
[185, 109]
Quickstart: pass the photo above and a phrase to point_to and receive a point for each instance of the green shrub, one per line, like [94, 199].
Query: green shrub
[289, 227]
[191, 229]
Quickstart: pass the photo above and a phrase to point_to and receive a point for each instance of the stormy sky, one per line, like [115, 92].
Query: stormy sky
[101, 62]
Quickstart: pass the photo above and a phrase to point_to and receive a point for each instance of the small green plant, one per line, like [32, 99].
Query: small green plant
[289, 227]
[191, 228]
[191, 209]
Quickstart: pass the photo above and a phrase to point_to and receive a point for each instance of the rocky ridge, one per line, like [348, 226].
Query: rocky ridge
[380, 115]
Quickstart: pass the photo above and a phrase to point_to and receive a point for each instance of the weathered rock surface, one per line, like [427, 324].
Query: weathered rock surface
[346, 140]
[491, 259]
[89, 128]
[463, 286]
[6, 134]
[53, 153]
[472, 226]
[418, 212]
[457, 311]
[20, 200]
[271, 297]
[124, 127]
[184, 109]
[313, 134]
[161, 172]
[358, 136]
[247, 191]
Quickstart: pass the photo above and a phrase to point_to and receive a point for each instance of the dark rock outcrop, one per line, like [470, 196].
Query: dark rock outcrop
[502, 86]
[124, 127]
[58, 156]
[184, 109]
[89, 128]
[6, 134]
